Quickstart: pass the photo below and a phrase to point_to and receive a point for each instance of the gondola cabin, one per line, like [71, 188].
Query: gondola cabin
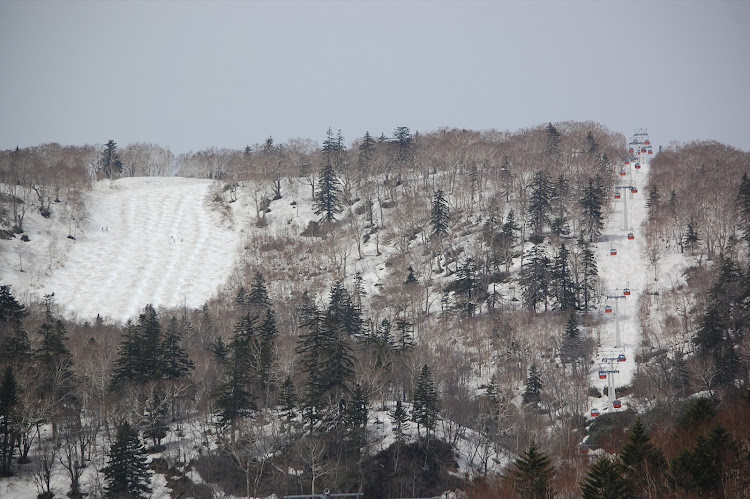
[621, 358]
[616, 404]
[608, 309]
[613, 252]
[648, 142]
[631, 150]
[617, 194]
[627, 162]
[594, 413]
[631, 236]
[602, 374]
[650, 151]
[634, 190]
[637, 166]
[626, 291]
[622, 172]
[643, 149]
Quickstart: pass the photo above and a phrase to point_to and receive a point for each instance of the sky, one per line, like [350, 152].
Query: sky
[191, 75]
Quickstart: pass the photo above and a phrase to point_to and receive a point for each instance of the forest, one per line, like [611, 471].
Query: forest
[432, 323]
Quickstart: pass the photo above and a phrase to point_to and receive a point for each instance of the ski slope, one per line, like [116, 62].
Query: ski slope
[147, 240]
[628, 269]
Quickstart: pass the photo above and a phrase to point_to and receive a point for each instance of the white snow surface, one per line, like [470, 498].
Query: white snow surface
[146, 240]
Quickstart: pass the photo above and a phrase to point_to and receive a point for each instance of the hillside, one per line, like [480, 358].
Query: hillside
[499, 289]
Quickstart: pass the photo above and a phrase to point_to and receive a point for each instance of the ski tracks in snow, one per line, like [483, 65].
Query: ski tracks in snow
[149, 240]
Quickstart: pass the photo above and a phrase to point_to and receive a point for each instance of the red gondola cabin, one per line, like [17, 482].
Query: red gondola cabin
[602, 374]
[637, 166]
[613, 252]
[631, 150]
[650, 151]
[621, 358]
[607, 309]
[616, 404]
[634, 190]
[594, 413]
[617, 194]
[627, 162]
[631, 236]
[626, 291]
[648, 142]
[622, 172]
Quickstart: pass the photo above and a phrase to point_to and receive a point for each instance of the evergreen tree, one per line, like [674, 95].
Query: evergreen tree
[605, 479]
[258, 295]
[267, 333]
[288, 399]
[405, 338]
[410, 277]
[127, 474]
[553, 140]
[539, 202]
[235, 398]
[652, 202]
[439, 215]
[11, 311]
[110, 163]
[506, 178]
[535, 278]
[399, 422]
[588, 277]
[700, 470]
[366, 150]
[140, 352]
[691, 237]
[563, 285]
[508, 239]
[175, 362]
[592, 220]
[592, 146]
[425, 407]
[467, 287]
[643, 462]
[403, 137]
[532, 394]
[571, 351]
[328, 196]
[9, 391]
[15, 346]
[356, 416]
[743, 204]
[531, 474]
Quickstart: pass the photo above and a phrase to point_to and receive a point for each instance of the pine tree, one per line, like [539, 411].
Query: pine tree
[127, 474]
[110, 163]
[9, 391]
[258, 294]
[467, 287]
[328, 196]
[535, 278]
[267, 333]
[403, 137]
[532, 474]
[175, 363]
[588, 277]
[700, 470]
[399, 422]
[553, 140]
[643, 462]
[235, 398]
[405, 338]
[605, 479]
[506, 178]
[425, 407]
[652, 202]
[592, 220]
[592, 146]
[366, 150]
[439, 215]
[410, 277]
[571, 351]
[11, 311]
[691, 237]
[539, 202]
[356, 416]
[563, 285]
[288, 399]
[743, 202]
[532, 394]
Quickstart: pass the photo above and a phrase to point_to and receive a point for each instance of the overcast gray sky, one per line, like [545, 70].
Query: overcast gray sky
[190, 75]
